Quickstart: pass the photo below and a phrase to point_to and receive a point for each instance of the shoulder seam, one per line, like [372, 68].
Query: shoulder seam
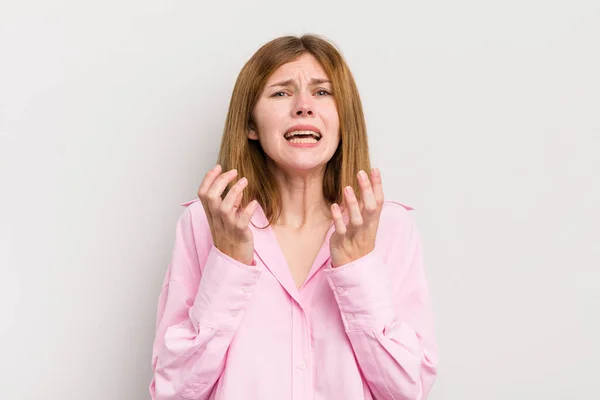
[189, 202]
[407, 207]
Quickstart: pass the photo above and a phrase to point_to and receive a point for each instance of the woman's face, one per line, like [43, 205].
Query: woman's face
[297, 98]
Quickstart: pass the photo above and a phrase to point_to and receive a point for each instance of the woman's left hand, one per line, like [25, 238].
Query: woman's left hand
[354, 240]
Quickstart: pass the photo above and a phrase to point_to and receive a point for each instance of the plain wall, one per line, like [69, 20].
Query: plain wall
[483, 116]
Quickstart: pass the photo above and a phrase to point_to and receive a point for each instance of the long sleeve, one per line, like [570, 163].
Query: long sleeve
[200, 307]
[384, 302]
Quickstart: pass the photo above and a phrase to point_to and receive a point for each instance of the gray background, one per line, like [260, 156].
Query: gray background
[484, 116]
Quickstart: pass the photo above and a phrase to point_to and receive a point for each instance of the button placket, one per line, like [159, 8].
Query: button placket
[301, 379]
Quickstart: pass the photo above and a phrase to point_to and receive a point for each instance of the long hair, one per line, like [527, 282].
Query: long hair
[247, 156]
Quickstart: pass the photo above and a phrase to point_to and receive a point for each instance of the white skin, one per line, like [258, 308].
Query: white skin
[299, 171]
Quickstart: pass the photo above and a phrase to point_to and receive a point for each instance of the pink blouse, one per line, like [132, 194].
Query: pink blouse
[230, 331]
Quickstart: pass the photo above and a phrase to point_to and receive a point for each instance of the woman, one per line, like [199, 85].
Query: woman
[297, 281]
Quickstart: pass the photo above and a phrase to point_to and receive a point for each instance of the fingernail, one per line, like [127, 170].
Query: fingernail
[233, 171]
[216, 167]
[362, 174]
[243, 181]
[348, 189]
[376, 171]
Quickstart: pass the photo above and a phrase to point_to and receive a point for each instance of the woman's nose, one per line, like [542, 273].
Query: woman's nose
[304, 106]
[304, 111]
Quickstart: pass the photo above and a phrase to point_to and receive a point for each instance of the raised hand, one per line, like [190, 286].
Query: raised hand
[355, 239]
[228, 223]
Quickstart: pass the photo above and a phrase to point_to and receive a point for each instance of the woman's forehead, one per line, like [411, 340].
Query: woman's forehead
[306, 66]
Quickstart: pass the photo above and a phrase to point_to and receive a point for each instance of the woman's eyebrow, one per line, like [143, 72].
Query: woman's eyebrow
[313, 81]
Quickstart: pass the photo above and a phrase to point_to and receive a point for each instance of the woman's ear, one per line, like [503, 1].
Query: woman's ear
[252, 135]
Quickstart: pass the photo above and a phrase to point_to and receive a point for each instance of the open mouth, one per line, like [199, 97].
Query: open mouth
[302, 137]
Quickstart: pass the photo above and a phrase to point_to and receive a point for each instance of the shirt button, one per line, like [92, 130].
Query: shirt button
[340, 290]
[235, 313]
[302, 365]
[349, 317]
[245, 289]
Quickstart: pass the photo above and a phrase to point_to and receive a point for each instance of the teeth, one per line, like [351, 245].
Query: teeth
[295, 133]
[302, 140]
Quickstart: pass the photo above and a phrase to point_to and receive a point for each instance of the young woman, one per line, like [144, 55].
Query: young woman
[291, 277]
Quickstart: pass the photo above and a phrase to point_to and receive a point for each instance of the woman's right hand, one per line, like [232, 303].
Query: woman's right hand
[228, 226]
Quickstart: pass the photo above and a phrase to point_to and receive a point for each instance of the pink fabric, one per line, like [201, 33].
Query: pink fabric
[229, 331]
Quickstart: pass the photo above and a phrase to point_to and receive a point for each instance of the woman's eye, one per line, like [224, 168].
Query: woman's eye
[278, 94]
[323, 91]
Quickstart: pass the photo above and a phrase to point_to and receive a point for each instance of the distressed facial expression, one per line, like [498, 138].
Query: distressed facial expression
[295, 118]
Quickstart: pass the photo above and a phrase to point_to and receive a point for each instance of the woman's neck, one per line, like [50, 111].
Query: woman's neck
[303, 203]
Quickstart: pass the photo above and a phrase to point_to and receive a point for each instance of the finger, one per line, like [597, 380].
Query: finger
[377, 186]
[338, 219]
[368, 203]
[246, 216]
[217, 188]
[207, 182]
[355, 216]
[228, 203]
[238, 201]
